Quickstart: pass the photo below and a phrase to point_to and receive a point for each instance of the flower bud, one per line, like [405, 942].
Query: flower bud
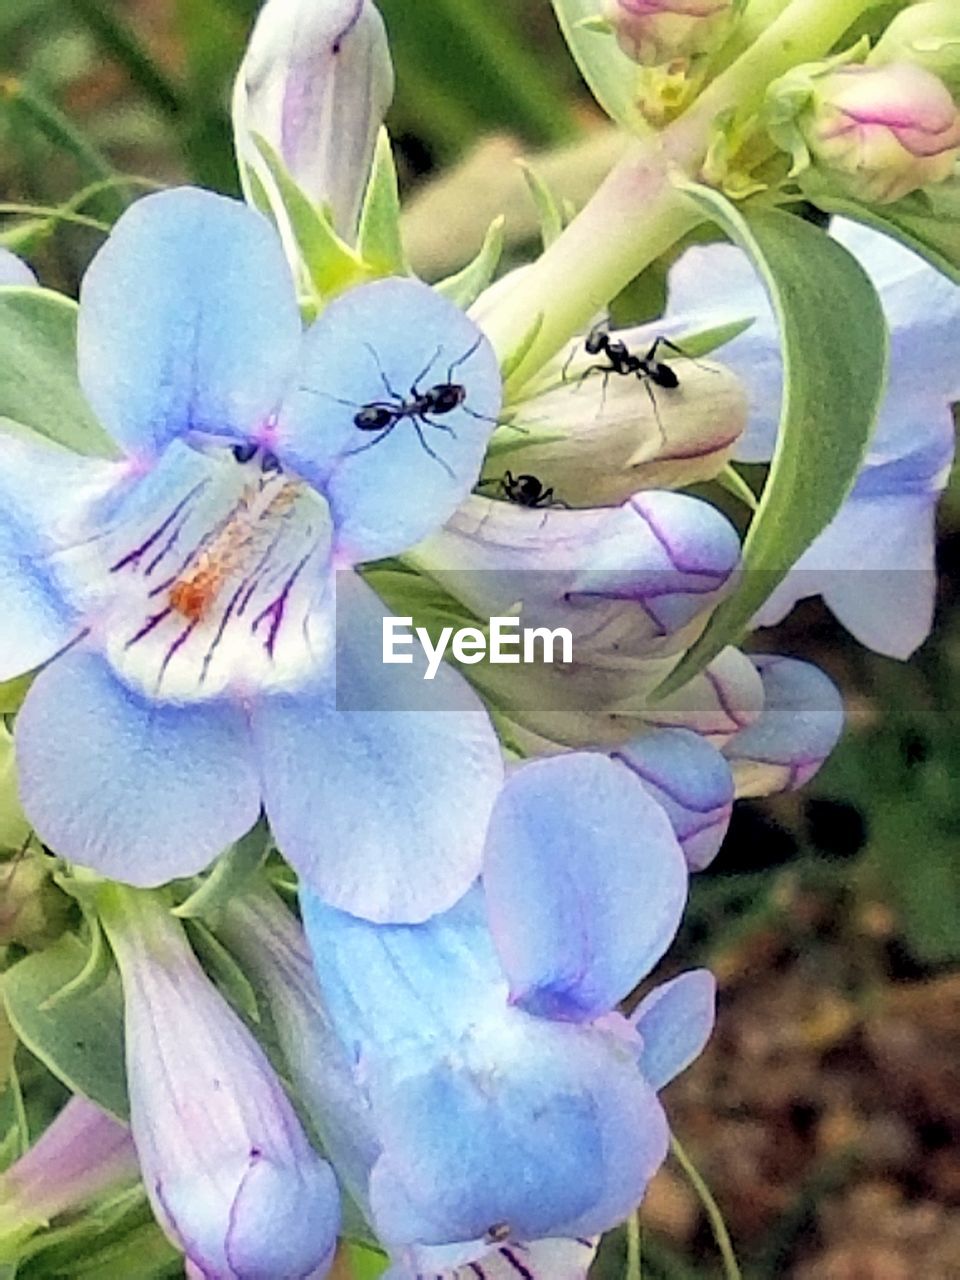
[596, 438]
[316, 83]
[230, 1174]
[655, 32]
[82, 1155]
[874, 133]
[927, 34]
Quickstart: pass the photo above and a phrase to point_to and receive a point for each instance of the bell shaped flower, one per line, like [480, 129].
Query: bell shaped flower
[14, 270]
[873, 133]
[82, 1154]
[508, 1098]
[315, 83]
[874, 565]
[230, 1174]
[205, 642]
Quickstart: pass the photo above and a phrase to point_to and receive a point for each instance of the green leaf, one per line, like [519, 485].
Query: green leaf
[332, 264]
[608, 71]
[39, 386]
[549, 212]
[379, 242]
[466, 286]
[366, 1264]
[80, 1038]
[14, 827]
[835, 342]
[929, 223]
[13, 692]
[224, 971]
[230, 875]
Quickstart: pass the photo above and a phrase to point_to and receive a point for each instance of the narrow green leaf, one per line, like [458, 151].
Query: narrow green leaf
[224, 971]
[549, 212]
[14, 827]
[39, 387]
[332, 264]
[379, 242]
[834, 341]
[610, 74]
[466, 286]
[80, 1039]
[516, 357]
[229, 876]
[706, 341]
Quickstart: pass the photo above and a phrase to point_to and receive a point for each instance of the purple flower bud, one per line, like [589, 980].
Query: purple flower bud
[655, 32]
[875, 133]
[82, 1155]
[230, 1174]
[316, 82]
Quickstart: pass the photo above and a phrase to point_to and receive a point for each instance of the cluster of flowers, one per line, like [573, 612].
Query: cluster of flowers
[204, 604]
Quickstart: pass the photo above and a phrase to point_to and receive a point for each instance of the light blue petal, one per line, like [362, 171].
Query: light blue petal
[404, 990]
[46, 497]
[380, 344]
[691, 781]
[533, 1127]
[801, 723]
[874, 566]
[143, 792]
[585, 884]
[379, 789]
[675, 1021]
[188, 322]
[14, 270]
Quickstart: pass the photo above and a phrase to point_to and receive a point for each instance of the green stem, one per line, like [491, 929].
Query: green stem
[637, 214]
[58, 215]
[721, 1235]
[634, 1260]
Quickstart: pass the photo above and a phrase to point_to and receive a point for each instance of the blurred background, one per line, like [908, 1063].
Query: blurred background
[826, 1113]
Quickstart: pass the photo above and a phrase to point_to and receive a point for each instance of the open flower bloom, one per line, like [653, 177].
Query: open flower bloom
[229, 1172]
[874, 565]
[315, 83]
[200, 645]
[509, 1102]
[14, 270]
[80, 1156]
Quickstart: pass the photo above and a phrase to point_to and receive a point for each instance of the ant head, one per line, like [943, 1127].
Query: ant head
[446, 397]
[529, 486]
[596, 340]
[374, 417]
[244, 453]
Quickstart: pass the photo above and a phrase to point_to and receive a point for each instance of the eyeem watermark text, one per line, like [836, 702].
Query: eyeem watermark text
[504, 641]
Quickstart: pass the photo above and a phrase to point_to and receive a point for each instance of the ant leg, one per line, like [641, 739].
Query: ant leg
[463, 359]
[672, 346]
[327, 395]
[371, 443]
[569, 361]
[424, 371]
[480, 417]
[594, 368]
[383, 376]
[644, 379]
[427, 449]
[438, 426]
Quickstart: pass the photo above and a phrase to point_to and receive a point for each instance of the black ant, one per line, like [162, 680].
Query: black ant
[421, 407]
[525, 491]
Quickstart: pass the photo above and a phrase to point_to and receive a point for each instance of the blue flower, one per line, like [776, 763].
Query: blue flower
[874, 564]
[226, 1165]
[194, 599]
[508, 1100]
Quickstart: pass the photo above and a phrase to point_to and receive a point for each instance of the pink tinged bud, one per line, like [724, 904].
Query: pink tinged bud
[655, 32]
[316, 83]
[230, 1174]
[880, 133]
[927, 34]
[606, 437]
[81, 1156]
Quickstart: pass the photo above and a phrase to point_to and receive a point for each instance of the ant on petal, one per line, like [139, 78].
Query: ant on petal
[525, 491]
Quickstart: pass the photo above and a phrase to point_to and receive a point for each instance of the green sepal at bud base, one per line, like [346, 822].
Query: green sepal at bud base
[927, 34]
[654, 33]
